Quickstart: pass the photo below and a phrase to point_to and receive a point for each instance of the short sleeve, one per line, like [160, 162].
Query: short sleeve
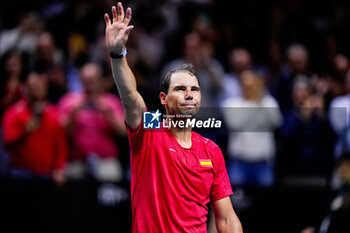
[13, 125]
[221, 185]
[135, 137]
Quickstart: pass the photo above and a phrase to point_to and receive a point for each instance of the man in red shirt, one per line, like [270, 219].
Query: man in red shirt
[175, 172]
[33, 136]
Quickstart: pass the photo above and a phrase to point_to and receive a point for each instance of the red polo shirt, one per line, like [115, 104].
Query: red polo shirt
[40, 151]
[171, 186]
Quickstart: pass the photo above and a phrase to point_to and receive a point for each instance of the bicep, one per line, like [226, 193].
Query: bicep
[222, 208]
[225, 217]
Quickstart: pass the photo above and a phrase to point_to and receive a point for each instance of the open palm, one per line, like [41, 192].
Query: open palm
[118, 29]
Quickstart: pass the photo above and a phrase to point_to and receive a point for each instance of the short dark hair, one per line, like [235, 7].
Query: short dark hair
[165, 82]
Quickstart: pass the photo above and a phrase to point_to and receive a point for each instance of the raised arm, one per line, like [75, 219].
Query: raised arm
[117, 33]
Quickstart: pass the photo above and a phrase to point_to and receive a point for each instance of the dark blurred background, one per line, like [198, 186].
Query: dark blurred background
[64, 155]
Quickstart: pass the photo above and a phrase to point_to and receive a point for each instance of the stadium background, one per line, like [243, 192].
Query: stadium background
[265, 29]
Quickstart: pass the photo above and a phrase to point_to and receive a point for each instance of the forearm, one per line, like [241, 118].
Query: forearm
[132, 101]
[124, 79]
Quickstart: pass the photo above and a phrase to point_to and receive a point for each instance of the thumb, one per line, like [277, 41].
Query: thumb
[128, 29]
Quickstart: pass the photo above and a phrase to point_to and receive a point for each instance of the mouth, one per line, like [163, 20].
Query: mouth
[188, 105]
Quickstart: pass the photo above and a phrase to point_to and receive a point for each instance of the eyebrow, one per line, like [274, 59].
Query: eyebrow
[193, 88]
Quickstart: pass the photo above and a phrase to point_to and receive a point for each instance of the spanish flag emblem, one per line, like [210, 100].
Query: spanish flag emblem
[205, 163]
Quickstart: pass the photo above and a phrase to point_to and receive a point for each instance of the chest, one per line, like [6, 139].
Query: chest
[194, 164]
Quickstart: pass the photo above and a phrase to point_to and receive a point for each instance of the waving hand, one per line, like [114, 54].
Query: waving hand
[118, 29]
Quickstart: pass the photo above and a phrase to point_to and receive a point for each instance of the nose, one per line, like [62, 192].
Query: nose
[188, 95]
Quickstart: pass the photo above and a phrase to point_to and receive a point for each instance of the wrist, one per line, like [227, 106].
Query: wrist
[114, 55]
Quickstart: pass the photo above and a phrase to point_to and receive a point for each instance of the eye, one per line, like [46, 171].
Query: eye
[195, 89]
[180, 88]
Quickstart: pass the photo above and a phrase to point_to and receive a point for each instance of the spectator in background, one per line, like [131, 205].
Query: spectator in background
[23, 37]
[306, 137]
[12, 74]
[93, 120]
[33, 136]
[305, 159]
[77, 48]
[297, 64]
[341, 65]
[49, 58]
[46, 53]
[273, 69]
[339, 109]
[251, 120]
[339, 115]
[239, 61]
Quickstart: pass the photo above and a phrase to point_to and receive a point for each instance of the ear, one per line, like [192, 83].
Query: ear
[162, 97]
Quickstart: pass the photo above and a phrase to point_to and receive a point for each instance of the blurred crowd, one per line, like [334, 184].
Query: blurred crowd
[277, 73]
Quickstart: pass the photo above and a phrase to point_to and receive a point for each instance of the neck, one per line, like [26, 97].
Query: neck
[182, 135]
[13, 77]
[92, 94]
[33, 101]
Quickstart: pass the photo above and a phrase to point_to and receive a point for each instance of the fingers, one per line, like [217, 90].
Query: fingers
[115, 14]
[120, 12]
[128, 16]
[107, 20]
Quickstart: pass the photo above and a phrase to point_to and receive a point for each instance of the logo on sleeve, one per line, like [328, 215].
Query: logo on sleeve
[151, 120]
[205, 163]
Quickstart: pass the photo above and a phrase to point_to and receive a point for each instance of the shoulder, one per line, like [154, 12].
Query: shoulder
[20, 105]
[71, 98]
[232, 102]
[340, 101]
[18, 110]
[208, 144]
[269, 101]
[17, 107]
